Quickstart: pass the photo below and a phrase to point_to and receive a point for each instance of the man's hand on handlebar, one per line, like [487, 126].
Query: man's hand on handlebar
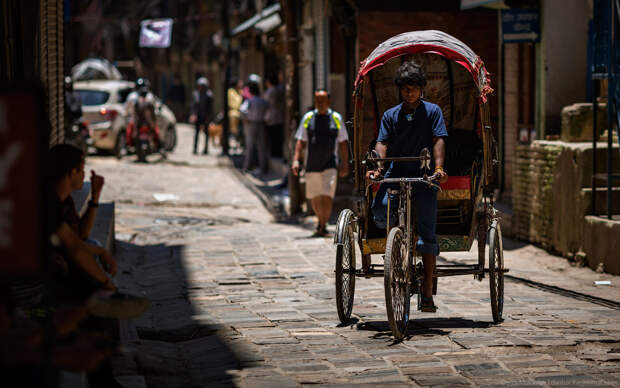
[440, 175]
[374, 175]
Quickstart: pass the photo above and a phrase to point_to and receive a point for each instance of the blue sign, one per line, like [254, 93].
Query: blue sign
[521, 25]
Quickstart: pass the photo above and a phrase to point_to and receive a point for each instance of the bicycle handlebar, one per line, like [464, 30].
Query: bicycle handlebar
[428, 180]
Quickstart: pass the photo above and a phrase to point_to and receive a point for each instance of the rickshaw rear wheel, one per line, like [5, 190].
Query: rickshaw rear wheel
[396, 279]
[345, 265]
[496, 271]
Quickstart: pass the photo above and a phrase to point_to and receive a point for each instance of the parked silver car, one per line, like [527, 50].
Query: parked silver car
[103, 106]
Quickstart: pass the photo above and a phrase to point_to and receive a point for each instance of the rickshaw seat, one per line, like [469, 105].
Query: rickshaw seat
[457, 187]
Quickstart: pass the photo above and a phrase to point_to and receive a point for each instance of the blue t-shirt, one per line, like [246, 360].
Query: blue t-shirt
[408, 134]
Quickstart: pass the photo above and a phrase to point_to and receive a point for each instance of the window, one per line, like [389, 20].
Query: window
[122, 95]
[93, 97]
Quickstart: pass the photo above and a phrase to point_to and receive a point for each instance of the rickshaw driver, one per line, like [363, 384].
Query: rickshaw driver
[406, 129]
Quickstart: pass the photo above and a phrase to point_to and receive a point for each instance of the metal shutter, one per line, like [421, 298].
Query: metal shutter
[51, 38]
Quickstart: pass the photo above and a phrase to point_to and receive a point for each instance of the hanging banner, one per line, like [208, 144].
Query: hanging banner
[156, 33]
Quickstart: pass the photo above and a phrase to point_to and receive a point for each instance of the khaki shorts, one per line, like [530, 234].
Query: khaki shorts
[321, 183]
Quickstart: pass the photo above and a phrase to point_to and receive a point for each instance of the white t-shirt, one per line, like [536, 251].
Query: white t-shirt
[302, 133]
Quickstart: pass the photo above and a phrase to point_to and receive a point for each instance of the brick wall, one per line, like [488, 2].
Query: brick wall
[532, 192]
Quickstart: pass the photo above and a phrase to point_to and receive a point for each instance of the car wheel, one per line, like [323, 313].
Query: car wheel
[170, 140]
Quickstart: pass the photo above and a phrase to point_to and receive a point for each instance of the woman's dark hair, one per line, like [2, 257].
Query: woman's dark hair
[254, 89]
[61, 160]
[410, 73]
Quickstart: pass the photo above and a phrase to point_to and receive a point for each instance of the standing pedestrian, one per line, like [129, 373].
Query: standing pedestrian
[323, 136]
[253, 112]
[201, 111]
[234, 115]
[176, 95]
[274, 117]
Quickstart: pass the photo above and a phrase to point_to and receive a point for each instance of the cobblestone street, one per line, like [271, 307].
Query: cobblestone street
[240, 300]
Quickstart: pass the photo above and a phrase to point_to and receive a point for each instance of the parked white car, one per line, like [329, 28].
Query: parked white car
[103, 106]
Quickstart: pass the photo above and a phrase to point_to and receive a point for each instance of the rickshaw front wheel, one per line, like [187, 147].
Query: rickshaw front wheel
[496, 271]
[396, 282]
[345, 265]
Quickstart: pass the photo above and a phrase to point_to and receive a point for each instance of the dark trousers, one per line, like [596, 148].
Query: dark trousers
[197, 132]
[276, 139]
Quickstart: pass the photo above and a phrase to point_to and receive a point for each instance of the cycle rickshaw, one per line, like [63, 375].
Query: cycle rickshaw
[459, 83]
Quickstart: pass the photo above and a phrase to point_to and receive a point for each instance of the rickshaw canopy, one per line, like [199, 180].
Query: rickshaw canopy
[429, 41]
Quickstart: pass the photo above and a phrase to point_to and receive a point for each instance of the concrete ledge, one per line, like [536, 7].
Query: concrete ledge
[601, 243]
[81, 197]
[103, 229]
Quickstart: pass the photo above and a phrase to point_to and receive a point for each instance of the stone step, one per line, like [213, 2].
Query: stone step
[601, 200]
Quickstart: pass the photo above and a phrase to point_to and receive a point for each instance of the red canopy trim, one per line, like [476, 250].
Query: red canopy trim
[445, 52]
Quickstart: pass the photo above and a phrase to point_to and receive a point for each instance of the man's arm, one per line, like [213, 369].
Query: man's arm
[439, 153]
[108, 260]
[381, 149]
[79, 252]
[299, 154]
[343, 147]
[88, 218]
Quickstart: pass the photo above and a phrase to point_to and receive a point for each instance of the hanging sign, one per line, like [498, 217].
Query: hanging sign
[521, 25]
[156, 33]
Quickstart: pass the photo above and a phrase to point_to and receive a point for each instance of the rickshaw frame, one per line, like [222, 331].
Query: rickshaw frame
[483, 220]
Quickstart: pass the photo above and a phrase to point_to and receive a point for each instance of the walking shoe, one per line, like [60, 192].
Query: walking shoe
[320, 231]
[428, 305]
[110, 304]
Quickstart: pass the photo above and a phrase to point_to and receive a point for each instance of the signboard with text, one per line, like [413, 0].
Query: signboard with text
[521, 25]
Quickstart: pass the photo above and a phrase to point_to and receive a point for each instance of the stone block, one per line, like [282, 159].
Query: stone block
[577, 122]
[601, 240]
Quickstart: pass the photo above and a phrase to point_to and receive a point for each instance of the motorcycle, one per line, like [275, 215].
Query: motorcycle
[79, 134]
[145, 142]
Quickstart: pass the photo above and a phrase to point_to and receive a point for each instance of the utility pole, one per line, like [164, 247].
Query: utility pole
[227, 56]
[292, 96]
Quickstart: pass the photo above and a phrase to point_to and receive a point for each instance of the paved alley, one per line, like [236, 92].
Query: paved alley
[240, 300]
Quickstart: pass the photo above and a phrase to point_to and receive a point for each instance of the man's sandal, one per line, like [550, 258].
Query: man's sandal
[428, 305]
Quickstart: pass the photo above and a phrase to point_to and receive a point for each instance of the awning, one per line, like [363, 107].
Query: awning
[264, 21]
[497, 4]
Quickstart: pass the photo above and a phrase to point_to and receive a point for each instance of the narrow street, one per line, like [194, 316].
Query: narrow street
[239, 300]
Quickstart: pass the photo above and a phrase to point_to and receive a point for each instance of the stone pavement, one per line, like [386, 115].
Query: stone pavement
[239, 300]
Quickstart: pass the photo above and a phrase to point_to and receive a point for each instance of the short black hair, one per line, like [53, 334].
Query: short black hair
[323, 90]
[273, 78]
[410, 73]
[61, 160]
[254, 88]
